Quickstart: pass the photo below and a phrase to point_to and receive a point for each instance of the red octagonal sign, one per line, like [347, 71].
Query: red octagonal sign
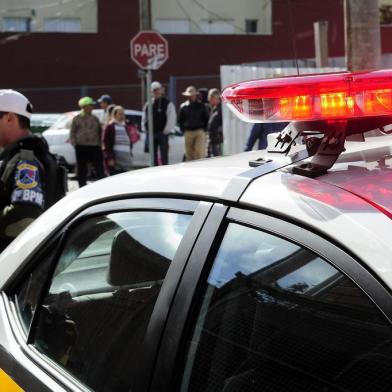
[149, 50]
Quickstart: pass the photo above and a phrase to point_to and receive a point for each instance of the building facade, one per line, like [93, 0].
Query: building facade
[55, 68]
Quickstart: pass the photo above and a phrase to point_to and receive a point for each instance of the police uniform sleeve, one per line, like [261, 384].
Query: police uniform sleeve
[26, 200]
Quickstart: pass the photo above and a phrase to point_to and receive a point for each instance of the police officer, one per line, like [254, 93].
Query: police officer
[22, 175]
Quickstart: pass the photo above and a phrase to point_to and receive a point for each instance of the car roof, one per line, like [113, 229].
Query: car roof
[322, 204]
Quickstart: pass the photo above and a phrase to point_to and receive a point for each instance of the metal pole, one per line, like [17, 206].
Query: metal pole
[150, 118]
[362, 35]
[321, 43]
[144, 15]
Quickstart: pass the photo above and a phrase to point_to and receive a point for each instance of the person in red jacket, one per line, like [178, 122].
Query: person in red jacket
[116, 144]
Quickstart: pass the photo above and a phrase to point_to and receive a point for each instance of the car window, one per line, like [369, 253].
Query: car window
[274, 316]
[106, 282]
[27, 295]
[63, 122]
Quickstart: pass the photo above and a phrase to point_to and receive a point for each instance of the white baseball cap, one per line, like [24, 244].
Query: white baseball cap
[155, 85]
[14, 102]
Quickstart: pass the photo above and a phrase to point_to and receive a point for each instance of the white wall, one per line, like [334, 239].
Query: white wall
[236, 131]
[198, 13]
[40, 10]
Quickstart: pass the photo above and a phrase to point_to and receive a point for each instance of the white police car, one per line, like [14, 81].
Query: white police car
[216, 276]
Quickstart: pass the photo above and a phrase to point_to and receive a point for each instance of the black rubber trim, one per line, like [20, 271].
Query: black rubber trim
[182, 304]
[162, 307]
[178, 205]
[238, 185]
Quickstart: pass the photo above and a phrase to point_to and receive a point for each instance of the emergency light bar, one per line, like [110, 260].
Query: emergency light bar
[316, 97]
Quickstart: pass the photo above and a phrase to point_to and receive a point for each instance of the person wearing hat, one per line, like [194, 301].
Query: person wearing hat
[214, 127]
[85, 136]
[193, 119]
[25, 190]
[104, 102]
[164, 120]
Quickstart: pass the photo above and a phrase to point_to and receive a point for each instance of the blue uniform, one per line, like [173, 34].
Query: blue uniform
[22, 187]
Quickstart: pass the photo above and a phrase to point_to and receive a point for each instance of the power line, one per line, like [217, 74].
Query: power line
[218, 17]
[47, 5]
[293, 34]
[188, 16]
[266, 3]
[17, 35]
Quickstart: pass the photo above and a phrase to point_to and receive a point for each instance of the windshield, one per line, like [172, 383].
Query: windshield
[64, 121]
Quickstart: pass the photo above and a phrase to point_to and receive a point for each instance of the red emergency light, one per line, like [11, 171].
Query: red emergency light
[317, 97]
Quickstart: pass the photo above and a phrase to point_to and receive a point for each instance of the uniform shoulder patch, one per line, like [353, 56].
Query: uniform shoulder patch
[27, 187]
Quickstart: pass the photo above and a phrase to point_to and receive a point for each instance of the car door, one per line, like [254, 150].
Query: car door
[267, 305]
[87, 311]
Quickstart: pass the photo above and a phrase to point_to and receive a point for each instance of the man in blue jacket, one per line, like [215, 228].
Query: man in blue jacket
[259, 132]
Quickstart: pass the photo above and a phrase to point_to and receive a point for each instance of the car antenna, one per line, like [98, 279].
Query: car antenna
[293, 38]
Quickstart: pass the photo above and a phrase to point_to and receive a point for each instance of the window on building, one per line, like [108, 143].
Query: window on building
[277, 317]
[251, 25]
[217, 27]
[16, 24]
[64, 25]
[173, 26]
[386, 14]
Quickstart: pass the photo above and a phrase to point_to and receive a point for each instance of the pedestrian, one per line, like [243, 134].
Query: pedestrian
[116, 144]
[193, 119]
[104, 102]
[85, 136]
[25, 170]
[164, 120]
[214, 127]
[109, 116]
[260, 131]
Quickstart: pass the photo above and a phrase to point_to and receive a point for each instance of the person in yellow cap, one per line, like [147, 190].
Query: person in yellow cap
[86, 138]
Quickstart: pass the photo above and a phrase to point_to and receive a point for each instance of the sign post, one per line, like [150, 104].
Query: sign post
[150, 119]
[149, 50]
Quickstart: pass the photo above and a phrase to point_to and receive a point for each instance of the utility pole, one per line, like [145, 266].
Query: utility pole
[321, 43]
[362, 34]
[144, 14]
[145, 24]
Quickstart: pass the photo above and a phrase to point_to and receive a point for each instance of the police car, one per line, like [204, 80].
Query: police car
[257, 272]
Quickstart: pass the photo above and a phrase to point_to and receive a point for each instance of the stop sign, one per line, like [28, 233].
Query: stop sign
[149, 50]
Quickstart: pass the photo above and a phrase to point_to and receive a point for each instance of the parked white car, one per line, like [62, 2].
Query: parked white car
[40, 122]
[58, 139]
